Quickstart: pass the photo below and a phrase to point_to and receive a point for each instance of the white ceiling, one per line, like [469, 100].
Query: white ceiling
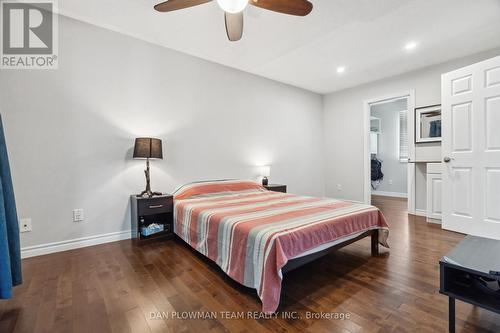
[365, 36]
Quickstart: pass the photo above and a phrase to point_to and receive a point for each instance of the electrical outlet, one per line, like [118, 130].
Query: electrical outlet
[390, 182]
[78, 215]
[339, 187]
[25, 225]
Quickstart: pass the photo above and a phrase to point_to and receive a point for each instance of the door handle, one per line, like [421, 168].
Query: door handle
[447, 159]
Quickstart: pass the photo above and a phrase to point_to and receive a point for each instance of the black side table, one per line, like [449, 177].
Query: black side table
[464, 271]
[145, 211]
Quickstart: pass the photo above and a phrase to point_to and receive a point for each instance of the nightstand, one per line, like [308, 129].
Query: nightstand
[276, 187]
[145, 211]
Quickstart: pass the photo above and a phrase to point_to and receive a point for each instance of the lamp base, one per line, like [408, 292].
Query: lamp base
[265, 181]
[149, 194]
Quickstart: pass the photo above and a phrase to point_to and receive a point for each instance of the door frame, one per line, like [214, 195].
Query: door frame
[410, 95]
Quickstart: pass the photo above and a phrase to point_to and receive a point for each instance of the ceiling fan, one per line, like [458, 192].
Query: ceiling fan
[233, 10]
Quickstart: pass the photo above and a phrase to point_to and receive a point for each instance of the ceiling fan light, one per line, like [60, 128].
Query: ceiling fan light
[232, 6]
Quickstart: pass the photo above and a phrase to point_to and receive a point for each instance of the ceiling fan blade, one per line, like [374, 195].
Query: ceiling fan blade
[234, 26]
[172, 5]
[291, 7]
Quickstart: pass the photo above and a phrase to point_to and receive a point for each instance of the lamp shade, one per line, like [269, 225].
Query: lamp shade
[265, 171]
[148, 148]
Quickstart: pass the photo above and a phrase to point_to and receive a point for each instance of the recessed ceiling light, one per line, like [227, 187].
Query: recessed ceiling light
[411, 46]
[340, 69]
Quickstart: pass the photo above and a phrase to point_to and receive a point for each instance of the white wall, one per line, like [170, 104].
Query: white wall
[393, 169]
[343, 123]
[70, 131]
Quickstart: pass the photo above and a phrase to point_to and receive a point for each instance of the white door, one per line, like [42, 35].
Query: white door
[471, 149]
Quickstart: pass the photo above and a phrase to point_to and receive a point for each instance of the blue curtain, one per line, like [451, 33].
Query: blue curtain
[10, 253]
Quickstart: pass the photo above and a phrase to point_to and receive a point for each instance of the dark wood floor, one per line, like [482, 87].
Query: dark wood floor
[115, 287]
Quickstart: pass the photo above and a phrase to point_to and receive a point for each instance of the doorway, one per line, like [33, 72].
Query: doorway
[388, 147]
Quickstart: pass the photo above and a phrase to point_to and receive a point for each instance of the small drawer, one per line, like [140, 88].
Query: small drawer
[155, 206]
[276, 188]
[435, 168]
[280, 189]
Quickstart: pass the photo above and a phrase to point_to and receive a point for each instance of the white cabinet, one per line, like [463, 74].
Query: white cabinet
[434, 187]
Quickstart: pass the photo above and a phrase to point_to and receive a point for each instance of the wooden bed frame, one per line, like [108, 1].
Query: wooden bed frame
[301, 261]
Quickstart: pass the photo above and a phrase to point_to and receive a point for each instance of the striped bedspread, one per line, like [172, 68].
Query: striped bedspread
[251, 233]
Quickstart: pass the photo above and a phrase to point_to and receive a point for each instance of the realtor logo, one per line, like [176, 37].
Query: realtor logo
[29, 34]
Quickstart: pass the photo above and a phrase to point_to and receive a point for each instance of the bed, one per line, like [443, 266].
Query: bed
[255, 235]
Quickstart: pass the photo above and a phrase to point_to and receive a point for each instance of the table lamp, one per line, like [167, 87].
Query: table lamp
[148, 148]
[265, 171]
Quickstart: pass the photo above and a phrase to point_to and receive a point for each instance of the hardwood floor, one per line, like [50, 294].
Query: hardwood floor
[115, 287]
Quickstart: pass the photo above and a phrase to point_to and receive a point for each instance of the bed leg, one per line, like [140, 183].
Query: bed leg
[375, 242]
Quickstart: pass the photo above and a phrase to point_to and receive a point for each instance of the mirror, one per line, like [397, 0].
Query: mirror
[428, 124]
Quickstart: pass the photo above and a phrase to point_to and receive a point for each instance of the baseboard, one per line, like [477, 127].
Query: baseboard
[38, 250]
[419, 212]
[434, 221]
[390, 194]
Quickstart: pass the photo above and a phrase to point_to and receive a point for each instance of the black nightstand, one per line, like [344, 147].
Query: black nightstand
[276, 187]
[463, 273]
[145, 211]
